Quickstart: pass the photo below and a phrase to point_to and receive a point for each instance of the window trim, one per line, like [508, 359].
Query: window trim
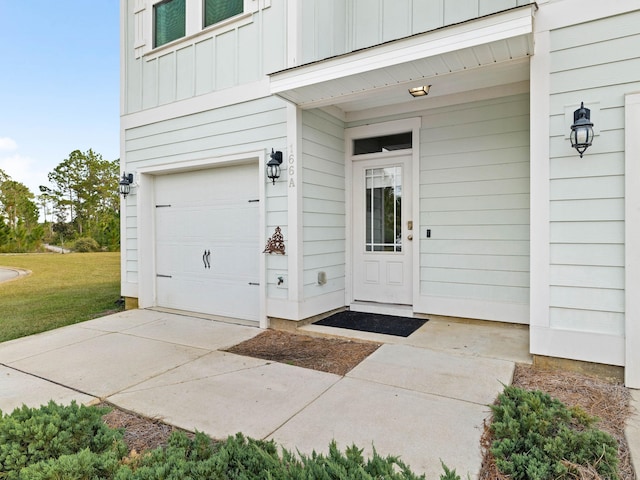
[194, 22]
[224, 20]
[154, 37]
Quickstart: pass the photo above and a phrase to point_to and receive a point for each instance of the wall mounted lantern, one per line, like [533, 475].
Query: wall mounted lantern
[421, 91]
[581, 130]
[125, 184]
[273, 166]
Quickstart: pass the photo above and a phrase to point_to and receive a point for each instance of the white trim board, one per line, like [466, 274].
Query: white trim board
[632, 240]
[575, 345]
[512, 23]
[146, 229]
[377, 129]
[310, 307]
[471, 308]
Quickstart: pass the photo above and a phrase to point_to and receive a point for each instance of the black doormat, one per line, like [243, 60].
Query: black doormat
[373, 322]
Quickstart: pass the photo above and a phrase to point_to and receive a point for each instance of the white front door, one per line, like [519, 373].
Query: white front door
[382, 231]
[207, 241]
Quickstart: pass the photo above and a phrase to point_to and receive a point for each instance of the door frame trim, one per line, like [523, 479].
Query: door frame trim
[379, 129]
[145, 207]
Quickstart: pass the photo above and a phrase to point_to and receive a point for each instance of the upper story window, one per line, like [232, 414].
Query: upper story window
[216, 11]
[169, 18]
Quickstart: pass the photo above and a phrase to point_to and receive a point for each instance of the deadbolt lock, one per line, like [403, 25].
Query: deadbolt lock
[410, 225]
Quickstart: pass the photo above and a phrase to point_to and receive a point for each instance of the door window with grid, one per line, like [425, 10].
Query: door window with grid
[383, 202]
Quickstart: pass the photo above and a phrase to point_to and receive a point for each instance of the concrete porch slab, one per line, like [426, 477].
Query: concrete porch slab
[485, 339]
[471, 379]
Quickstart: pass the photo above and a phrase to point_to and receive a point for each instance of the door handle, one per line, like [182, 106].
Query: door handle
[206, 258]
[410, 237]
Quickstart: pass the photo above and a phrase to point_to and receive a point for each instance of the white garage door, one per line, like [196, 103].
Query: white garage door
[207, 244]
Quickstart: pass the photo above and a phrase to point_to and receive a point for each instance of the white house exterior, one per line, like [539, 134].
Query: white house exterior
[467, 202]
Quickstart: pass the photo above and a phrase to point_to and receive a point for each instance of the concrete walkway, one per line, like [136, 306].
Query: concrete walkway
[7, 274]
[423, 397]
[11, 273]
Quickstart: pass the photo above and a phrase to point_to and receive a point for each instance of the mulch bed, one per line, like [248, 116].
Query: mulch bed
[140, 433]
[605, 399]
[330, 355]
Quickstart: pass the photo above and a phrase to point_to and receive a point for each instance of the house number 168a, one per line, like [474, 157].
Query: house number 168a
[291, 170]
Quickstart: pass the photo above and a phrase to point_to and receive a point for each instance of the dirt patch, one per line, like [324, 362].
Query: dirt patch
[602, 398]
[140, 433]
[324, 354]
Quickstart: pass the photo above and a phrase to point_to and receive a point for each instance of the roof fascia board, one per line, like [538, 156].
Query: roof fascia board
[509, 24]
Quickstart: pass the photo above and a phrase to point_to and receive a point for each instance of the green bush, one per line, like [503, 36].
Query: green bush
[78, 466]
[32, 435]
[73, 443]
[85, 245]
[241, 458]
[538, 438]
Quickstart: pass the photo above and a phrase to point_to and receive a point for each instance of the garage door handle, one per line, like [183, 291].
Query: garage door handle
[206, 258]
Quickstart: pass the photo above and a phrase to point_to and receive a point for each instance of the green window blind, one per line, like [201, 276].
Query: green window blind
[170, 21]
[218, 10]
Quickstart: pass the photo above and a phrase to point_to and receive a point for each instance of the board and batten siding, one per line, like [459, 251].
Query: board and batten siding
[323, 209]
[215, 59]
[214, 134]
[596, 62]
[474, 199]
[333, 27]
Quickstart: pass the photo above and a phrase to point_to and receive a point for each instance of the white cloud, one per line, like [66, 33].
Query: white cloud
[24, 170]
[7, 144]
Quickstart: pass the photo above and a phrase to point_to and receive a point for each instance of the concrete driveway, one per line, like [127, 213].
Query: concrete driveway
[423, 397]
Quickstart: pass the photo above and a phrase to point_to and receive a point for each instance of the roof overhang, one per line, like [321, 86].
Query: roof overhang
[489, 46]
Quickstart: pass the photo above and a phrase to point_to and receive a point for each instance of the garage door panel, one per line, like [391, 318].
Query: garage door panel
[209, 211]
[235, 261]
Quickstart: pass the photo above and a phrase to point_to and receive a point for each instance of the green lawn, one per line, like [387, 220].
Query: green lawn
[61, 290]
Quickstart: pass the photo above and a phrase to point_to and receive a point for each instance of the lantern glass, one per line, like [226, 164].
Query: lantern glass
[125, 189]
[125, 184]
[273, 171]
[581, 135]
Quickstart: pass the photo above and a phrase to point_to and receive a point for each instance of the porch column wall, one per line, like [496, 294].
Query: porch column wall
[578, 204]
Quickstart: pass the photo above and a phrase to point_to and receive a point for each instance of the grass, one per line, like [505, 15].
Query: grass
[61, 290]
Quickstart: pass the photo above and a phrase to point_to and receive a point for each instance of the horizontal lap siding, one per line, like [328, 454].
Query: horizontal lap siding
[209, 135]
[323, 208]
[474, 198]
[598, 63]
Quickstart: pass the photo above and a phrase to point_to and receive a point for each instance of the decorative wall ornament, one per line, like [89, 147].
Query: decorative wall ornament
[275, 244]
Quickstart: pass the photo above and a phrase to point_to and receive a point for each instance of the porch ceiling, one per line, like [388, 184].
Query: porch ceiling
[480, 53]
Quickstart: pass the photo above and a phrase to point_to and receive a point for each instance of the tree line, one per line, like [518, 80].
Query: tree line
[81, 204]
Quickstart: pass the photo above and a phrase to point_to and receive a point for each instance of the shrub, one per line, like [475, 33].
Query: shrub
[72, 442]
[85, 245]
[242, 458]
[32, 435]
[538, 438]
[82, 465]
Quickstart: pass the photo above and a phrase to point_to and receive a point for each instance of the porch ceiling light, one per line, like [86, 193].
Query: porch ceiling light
[422, 91]
[582, 129]
[125, 184]
[273, 166]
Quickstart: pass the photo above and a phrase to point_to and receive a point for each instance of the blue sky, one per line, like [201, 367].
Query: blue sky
[59, 84]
